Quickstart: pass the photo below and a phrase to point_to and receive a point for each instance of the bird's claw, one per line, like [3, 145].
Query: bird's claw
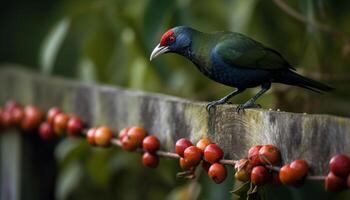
[215, 103]
[241, 107]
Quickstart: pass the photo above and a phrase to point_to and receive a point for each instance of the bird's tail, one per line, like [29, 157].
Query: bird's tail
[292, 78]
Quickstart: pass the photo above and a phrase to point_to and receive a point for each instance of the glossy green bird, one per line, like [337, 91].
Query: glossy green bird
[235, 60]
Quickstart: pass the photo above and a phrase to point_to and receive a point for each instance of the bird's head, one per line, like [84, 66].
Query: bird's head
[176, 40]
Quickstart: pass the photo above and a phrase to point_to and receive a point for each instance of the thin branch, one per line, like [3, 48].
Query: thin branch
[320, 26]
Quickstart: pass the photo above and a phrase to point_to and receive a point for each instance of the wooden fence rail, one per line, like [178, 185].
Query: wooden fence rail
[312, 137]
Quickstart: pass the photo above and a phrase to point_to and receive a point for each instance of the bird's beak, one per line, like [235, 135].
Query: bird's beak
[158, 50]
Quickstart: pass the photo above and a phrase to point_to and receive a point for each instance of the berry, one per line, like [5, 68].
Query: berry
[75, 126]
[150, 160]
[136, 135]
[90, 136]
[128, 145]
[253, 155]
[217, 172]
[193, 155]
[181, 145]
[51, 114]
[123, 133]
[286, 175]
[11, 104]
[212, 153]
[184, 164]
[46, 131]
[6, 121]
[202, 143]
[299, 168]
[269, 155]
[32, 118]
[17, 115]
[259, 175]
[294, 173]
[60, 123]
[340, 165]
[348, 181]
[103, 136]
[150, 144]
[334, 183]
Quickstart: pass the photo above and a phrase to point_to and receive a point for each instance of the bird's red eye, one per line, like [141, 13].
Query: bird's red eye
[171, 39]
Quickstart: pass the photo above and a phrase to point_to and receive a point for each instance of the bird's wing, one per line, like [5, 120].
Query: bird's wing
[241, 51]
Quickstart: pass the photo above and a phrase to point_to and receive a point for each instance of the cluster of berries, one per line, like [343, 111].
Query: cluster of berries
[259, 168]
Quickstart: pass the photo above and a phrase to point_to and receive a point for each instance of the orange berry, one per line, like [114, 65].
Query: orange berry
[217, 172]
[103, 135]
[90, 136]
[51, 114]
[128, 145]
[60, 123]
[202, 143]
[136, 135]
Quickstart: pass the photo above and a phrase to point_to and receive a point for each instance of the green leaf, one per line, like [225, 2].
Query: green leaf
[242, 189]
[52, 44]
[68, 180]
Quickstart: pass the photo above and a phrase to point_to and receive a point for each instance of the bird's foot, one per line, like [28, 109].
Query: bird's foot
[248, 104]
[215, 103]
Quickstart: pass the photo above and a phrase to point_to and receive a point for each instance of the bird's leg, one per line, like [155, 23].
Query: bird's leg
[251, 102]
[224, 99]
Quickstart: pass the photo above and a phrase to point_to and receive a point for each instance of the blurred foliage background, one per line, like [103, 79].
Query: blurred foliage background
[109, 41]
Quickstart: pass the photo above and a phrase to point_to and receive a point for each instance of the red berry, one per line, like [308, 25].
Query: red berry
[51, 114]
[32, 118]
[60, 123]
[123, 133]
[217, 172]
[348, 181]
[128, 145]
[181, 145]
[286, 175]
[259, 175]
[269, 155]
[6, 119]
[340, 165]
[212, 153]
[46, 131]
[299, 168]
[185, 164]
[11, 104]
[253, 155]
[193, 155]
[17, 115]
[334, 183]
[150, 144]
[136, 135]
[90, 136]
[103, 136]
[75, 126]
[150, 160]
[202, 143]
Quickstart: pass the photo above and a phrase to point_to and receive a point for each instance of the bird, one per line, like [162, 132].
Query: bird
[235, 60]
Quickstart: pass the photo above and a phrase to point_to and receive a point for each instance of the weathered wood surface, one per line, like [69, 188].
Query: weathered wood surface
[312, 137]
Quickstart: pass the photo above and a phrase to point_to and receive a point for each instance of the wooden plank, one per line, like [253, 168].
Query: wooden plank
[312, 137]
